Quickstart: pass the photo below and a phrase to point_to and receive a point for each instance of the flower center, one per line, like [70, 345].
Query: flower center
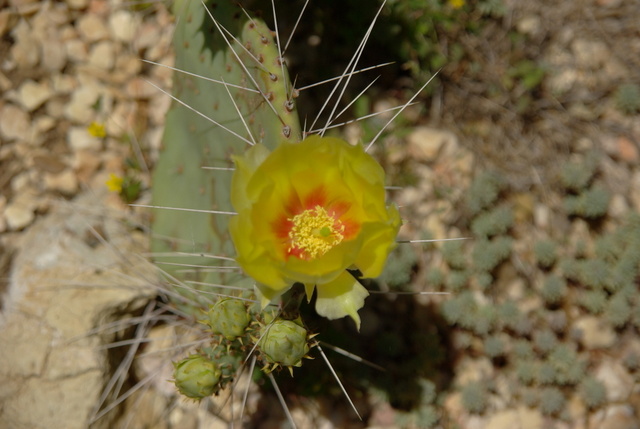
[314, 233]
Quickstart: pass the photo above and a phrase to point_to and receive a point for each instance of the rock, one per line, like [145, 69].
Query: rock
[102, 55]
[147, 35]
[425, 143]
[79, 138]
[92, 28]
[85, 164]
[62, 287]
[616, 379]
[627, 150]
[77, 4]
[65, 182]
[76, 50]
[590, 54]
[139, 87]
[594, 333]
[618, 207]
[522, 418]
[616, 417]
[530, 25]
[33, 94]
[25, 51]
[20, 211]
[5, 83]
[123, 24]
[54, 54]
[79, 109]
[14, 123]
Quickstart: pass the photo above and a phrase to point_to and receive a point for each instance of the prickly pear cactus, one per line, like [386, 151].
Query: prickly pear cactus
[309, 215]
[251, 101]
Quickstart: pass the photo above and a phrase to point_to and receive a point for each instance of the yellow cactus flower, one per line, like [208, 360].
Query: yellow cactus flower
[307, 212]
[114, 184]
[96, 129]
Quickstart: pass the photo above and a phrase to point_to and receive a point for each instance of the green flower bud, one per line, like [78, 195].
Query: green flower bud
[196, 376]
[284, 343]
[229, 318]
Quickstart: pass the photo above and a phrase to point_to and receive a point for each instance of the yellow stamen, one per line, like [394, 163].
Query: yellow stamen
[315, 232]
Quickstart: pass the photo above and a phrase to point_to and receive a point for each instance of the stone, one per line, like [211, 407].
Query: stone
[63, 83]
[20, 212]
[139, 87]
[62, 287]
[25, 51]
[521, 417]
[76, 50]
[590, 54]
[594, 333]
[102, 55]
[616, 416]
[5, 83]
[14, 123]
[32, 94]
[147, 36]
[425, 143]
[627, 150]
[79, 138]
[616, 379]
[54, 54]
[123, 25]
[85, 163]
[65, 182]
[92, 28]
[79, 109]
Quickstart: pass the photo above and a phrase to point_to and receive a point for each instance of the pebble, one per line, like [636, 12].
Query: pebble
[54, 55]
[65, 182]
[20, 212]
[616, 417]
[25, 51]
[14, 123]
[92, 28]
[616, 379]
[79, 138]
[79, 109]
[32, 94]
[521, 417]
[76, 50]
[594, 332]
[425, 143]
[102, 55]
[123, 26]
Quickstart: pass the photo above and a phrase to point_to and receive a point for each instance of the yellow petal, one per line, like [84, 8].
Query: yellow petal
[342, 297]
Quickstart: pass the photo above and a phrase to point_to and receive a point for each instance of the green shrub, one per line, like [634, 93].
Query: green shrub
[545, 252]
[552, 401]
[554, 289]
[475, 396]
[592, 392]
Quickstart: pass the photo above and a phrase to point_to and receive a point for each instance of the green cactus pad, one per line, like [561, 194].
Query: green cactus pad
[250, 103]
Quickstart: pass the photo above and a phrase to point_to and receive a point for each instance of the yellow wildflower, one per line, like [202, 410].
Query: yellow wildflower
[457, 4]
[97, 130]
[306, 213]
[114, 184]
